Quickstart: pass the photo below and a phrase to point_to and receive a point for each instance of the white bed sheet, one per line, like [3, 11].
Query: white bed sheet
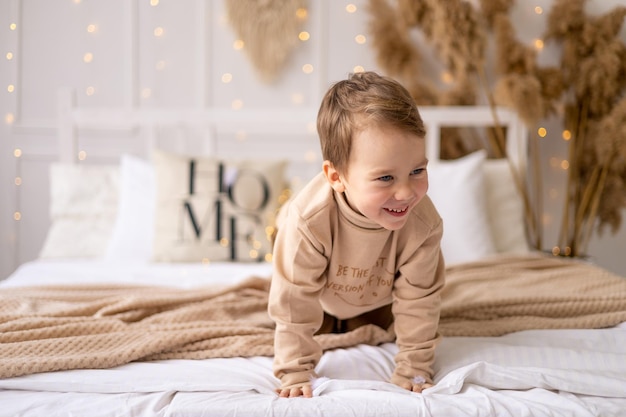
[530, 373]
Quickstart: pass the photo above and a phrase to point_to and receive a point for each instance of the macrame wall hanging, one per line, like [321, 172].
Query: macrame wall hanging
[269, 30]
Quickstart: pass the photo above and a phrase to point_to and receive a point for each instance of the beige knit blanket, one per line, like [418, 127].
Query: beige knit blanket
[71, 327]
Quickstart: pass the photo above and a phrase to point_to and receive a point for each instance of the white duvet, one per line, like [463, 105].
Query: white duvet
[530, 373]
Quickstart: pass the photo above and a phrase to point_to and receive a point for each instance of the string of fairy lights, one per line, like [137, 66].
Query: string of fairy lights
[10, 89]
[558, 165]
[146, 92]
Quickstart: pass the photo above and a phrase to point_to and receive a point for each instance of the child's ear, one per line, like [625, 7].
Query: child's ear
[333, 177]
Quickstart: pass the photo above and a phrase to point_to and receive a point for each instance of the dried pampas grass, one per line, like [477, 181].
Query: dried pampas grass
[593, 64]
[521, 92]
[611, 152]
[394, 50]
[463, 93]
[584, 89]
[457, 35]
[566, 17]
[511, 55]
[269, 30]
[599, 77]
[552, 88]
[491, 9]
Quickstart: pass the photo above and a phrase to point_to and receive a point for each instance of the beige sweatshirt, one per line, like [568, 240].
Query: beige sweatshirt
[327, 257]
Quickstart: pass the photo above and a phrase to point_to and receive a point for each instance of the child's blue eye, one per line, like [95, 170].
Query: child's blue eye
[418, 171]
[385, 178]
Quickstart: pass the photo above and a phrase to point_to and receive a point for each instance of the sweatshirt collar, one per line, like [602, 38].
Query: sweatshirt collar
[352, 216]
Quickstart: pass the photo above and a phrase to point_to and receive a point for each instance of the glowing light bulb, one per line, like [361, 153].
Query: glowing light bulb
[304, 36]
[9, 118]
[82, 155]
[10, 88]
[18, 181]
[90, 91]
[307, 68]
[158, 31]
[237, 104]
[360, 39]
[358, 68]
[12, 26]
[91, 28]
[88, 58]
[154, 3]
[538, 10]
[302, 13]
[227, 77]
[546, 219]
[9, 56]
[447, 77]
[297, 98]
[542, 132]
[554, 162]
[238, 44]
[538, 44]
[565, 164]
[350, 8]
[17, 152]
[17, 216]
[567, 135]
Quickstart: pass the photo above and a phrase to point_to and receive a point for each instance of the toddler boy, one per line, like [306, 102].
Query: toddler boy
[361, 242]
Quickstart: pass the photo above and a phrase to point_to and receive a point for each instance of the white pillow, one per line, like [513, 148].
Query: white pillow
[133, 232]
[505, 208]
[457, 188]
[83, 206]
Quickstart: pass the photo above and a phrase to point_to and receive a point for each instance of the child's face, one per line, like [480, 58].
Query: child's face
[386, 175]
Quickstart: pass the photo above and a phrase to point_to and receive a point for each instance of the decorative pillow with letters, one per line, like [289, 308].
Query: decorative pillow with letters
[209, 209]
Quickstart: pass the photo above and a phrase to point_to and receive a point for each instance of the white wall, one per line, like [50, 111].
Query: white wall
[131, 66]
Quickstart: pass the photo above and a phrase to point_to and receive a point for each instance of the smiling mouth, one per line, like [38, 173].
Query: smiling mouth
[396, 211]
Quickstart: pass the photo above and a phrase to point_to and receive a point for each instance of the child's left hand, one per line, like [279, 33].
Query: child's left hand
[299, 391]
[420, 387]
[417, 384]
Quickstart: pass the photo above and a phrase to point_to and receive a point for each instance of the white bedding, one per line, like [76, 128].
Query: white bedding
[530, 373]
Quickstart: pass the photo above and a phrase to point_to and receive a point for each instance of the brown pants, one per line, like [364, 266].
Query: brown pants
[381, 317]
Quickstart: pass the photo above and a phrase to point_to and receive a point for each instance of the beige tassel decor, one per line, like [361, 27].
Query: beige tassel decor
[269, 30]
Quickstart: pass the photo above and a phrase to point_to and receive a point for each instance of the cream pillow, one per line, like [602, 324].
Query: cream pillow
[83, 206]
[215, 210]
[505, 208]
[457, 188]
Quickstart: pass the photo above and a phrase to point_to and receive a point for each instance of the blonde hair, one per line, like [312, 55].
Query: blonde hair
[350, 105]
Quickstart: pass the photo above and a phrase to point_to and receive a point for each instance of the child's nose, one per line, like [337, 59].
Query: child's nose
[404, 192]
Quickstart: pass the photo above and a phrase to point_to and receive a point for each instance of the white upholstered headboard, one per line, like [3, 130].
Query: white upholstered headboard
[481, 209]
[285, 133]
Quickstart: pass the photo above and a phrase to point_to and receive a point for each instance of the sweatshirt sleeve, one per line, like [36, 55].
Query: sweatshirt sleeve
[299, 268]
[416, 308]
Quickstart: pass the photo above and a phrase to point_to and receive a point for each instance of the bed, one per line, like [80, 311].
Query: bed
[127, 314]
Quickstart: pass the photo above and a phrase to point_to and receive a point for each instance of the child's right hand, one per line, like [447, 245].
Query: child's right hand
[300, 391]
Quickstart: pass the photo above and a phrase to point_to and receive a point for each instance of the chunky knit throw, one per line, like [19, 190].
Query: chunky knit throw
[85, 326]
